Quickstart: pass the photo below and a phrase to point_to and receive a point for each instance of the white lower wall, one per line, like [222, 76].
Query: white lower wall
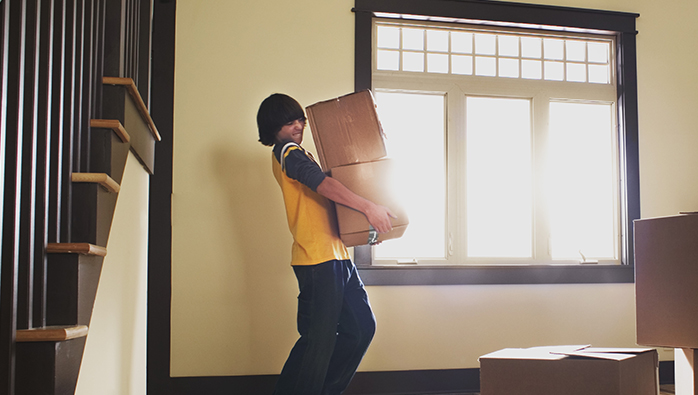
[114, 362]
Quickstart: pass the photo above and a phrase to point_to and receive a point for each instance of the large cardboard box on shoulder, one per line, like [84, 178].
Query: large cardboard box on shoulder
[373, 181]
[666, 281]
[570, 370]
[346, 130]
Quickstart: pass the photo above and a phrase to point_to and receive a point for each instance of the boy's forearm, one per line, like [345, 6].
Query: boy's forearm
[337, 192]
[378, 216]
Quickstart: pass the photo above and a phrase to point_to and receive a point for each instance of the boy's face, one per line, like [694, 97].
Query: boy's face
[292, 131]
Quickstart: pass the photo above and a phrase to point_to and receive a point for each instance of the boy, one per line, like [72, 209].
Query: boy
[335, 321]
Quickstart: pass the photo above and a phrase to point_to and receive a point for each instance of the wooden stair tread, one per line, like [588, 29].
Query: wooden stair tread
[114, 125]
[76, 248]
[100, 178]
[133, 91]
[51, 333]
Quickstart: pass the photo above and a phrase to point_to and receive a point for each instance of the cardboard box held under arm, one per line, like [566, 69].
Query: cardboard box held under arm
[373, 181]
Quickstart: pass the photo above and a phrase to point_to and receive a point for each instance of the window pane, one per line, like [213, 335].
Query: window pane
[413, 39]
[461, 42]
[554, 49]
[532, 69]
[598, 74]
[388, 37]
[485, 44]
[508, 46]
[485, 66]
[411, 139]
[576, 50]
[388, 60]
[554, 71]
[413, 61]
[576, 72]
[437, 40]
[509, 68]
[437, 63]
[498, 196]
[598, 52]
[462, 65]
[581, 181]
[531, 47]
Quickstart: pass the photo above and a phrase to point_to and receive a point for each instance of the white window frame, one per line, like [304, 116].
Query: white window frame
[455, 89]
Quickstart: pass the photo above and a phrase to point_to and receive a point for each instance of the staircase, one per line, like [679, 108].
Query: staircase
[68, 127]
[48, 357]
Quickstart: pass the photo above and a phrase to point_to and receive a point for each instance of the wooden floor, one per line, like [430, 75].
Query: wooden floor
[666, 389]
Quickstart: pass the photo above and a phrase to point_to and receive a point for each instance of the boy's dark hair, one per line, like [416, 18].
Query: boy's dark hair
[274, 112]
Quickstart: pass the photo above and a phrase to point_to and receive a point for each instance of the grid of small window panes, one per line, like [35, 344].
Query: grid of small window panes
[492, 53]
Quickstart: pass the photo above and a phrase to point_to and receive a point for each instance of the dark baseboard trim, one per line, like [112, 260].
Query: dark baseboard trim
[365, 383]
[415, 382]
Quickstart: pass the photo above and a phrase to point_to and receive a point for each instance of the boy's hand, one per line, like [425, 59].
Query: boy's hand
[379, 217]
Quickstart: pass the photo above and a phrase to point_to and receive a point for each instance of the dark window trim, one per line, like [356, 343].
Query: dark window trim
[622, 24]
[158, 380]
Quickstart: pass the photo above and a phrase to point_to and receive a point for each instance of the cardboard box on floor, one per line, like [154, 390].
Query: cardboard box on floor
[666, 281]
[346, 130]
[570, 370]
[373, 181]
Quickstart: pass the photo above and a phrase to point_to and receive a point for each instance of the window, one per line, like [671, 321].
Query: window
[457, 50]
[531, 175]
[519, 138]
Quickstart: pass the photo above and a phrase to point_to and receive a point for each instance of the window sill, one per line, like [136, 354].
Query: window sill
[481, 275]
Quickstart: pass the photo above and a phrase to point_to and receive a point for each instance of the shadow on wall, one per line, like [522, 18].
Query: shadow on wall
[261, 241]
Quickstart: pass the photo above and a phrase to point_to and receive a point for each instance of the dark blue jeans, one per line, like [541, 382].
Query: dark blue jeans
[336, 326]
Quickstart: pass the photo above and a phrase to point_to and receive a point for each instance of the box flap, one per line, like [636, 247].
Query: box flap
[599, 355]
[540, 353]
[626, 350]
[615, 354]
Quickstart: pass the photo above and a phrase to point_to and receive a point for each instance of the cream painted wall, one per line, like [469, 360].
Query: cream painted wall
[234, 294]
[114, 362]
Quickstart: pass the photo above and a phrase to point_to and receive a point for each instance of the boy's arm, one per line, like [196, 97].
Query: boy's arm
[378, 216]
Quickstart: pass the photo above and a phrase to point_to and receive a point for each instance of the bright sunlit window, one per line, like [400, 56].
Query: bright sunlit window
[582, 184]
[499, 220]
[506, 141]
[422, 164]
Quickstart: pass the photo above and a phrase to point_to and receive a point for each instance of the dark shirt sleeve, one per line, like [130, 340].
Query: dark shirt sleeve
[300, 167]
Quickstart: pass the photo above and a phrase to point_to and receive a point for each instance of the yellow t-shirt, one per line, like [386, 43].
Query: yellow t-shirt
[311, 218]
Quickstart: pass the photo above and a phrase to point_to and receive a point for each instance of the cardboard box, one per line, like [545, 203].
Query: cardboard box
[371, 180]
[570, 370]
[666, 281]
[685, 373]
[346, 130]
